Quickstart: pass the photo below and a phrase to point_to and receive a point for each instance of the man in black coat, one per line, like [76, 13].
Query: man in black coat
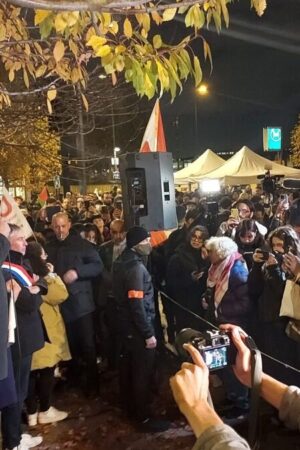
[133, 291]
[77, 263]
[109, 252]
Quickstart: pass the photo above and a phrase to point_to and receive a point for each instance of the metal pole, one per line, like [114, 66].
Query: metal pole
[196, 123]
[80, 144]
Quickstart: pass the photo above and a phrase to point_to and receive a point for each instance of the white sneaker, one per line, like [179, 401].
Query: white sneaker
[32, 419]
[52, 415]
[29, 441]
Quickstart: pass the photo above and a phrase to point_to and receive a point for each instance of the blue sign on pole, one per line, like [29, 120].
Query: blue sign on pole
[274, 138]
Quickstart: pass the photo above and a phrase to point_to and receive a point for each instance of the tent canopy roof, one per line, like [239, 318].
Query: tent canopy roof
[204, 164]
[246, 165]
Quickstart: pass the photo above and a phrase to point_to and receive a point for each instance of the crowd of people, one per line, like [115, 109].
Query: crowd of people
[84, 289]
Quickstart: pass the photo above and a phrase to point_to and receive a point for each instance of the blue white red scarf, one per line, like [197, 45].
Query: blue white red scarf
[18, 273]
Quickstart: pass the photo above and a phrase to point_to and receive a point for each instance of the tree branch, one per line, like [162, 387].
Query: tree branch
[120, 7]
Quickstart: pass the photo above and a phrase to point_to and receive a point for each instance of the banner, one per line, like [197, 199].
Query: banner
[10, 211]
[154, 137]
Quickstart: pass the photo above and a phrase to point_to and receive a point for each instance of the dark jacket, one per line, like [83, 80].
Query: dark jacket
[133, 291]
[266, 286]
[77, 254]
[4, 248]
[105, 288]
[247, 250]
[180, 282]
[30, 327]
[235, 307]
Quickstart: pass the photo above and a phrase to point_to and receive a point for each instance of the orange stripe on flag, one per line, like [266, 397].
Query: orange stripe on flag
[154, 136]
[136, 294]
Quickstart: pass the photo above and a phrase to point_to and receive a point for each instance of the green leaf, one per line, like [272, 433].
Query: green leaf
[46, 27]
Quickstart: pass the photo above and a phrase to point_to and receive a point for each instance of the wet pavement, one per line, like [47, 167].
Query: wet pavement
[98, 422]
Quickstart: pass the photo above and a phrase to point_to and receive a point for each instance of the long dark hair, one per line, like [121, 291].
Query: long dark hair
[33, 254]
[244, 227]
[289, 237]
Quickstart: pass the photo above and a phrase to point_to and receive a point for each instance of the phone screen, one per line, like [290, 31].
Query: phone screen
[234, 213]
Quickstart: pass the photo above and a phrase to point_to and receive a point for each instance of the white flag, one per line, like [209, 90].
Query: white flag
[154, 136]
[10, 211]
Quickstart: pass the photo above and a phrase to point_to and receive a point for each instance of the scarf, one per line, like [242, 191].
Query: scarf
[19, 273]
[218, 276]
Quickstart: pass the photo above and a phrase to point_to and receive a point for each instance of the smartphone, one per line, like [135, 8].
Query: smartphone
[234, 213]
[265, 254]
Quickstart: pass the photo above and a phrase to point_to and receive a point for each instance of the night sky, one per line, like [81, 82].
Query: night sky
[255, 83]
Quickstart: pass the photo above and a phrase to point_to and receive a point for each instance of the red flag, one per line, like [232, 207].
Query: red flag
[154, 137]
[44, 194]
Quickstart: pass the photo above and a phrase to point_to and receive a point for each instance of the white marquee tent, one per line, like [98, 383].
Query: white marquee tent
[245, 166]
[207, 162]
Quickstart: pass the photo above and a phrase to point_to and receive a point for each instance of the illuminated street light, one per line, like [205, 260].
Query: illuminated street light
[202, 89]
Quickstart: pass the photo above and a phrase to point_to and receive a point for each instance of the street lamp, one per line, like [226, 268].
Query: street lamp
[115, 159]
[202, 90]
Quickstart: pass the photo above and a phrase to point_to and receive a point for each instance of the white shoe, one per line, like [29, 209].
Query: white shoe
[52, 415]
[29, 441]
[32, 419]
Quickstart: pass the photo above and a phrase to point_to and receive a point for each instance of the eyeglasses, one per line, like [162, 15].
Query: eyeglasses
[197, 238]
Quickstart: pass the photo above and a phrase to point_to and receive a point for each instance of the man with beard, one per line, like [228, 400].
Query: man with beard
[133, 291]
[77, 263]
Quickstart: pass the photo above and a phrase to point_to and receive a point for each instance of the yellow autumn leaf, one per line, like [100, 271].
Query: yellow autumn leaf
[114, 27]
[96, 42]
[25, 78]
[127, 28]
[157, 42]
[60, 23]
[106, 19]
[120, 49]
[85, 102]
[51, 94]
[114, 78]
[41, 15]
[103, 51]
[169, 14]
[260, 6]
[49, 106]
[11, 75]
[206, 6]
[58, 51]
[40, 71]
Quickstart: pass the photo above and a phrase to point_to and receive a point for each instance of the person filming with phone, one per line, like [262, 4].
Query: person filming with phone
[267, 282]
[244, 209]
[190, 387]
[186, 277]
